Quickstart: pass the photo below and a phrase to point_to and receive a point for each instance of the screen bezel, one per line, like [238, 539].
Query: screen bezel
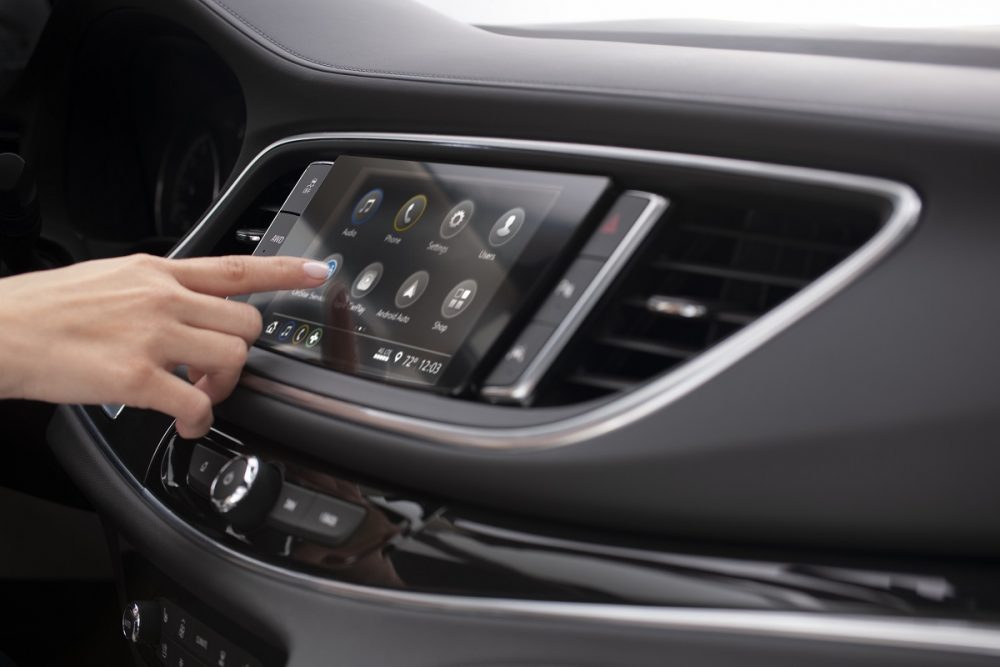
[529, 277]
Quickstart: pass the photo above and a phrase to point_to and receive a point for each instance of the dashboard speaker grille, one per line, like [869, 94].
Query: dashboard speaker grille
[710, 270]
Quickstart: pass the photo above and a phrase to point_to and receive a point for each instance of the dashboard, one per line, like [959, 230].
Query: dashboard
[627, 348]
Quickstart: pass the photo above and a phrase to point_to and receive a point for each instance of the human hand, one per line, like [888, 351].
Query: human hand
[111, 331]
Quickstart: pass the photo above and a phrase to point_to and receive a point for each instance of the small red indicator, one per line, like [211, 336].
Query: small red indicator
[610, 226]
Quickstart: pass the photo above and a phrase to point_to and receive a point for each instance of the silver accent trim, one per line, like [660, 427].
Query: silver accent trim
[907, 633]
[522, 390]
[231, 501]
[132, 614]
[655, 395]
[674, 307]
[113, 410]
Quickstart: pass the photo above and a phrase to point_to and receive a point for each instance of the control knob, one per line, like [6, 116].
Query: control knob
[244, 491]
[141, 622]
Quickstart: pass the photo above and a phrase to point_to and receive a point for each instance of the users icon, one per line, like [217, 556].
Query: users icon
[506, 227]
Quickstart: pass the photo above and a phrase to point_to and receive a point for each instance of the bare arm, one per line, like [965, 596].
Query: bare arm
[111, 331]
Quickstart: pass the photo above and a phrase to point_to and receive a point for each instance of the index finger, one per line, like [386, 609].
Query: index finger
[240, 274]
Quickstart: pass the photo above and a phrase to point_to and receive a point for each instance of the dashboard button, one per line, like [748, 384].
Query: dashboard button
[520, 354]
[290, 510]
[304, 190]
[275, 235]
[173, 655]
[205, 465]
[459, 298]
[410, 213]
[329, 520]
[568, 291]
[506, 227]
[367, 206]
[457, 218]
[615, 226]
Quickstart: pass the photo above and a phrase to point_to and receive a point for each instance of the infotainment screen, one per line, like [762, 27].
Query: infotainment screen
[428, 263]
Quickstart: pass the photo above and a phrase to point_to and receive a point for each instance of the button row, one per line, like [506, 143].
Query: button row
[299, 511]
[508, 380]
[186, 642]
[314, 516]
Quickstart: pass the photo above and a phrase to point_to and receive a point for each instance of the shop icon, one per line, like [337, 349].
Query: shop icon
[459, 298]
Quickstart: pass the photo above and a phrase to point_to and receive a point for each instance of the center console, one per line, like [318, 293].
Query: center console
[430, 265]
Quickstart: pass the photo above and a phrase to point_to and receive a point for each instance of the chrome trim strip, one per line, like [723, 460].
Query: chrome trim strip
[524, 387]
[113, 410]
[655, 395]
[895, 632]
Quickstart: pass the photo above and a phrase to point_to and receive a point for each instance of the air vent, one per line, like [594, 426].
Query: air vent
[258, 215]
[710, 271]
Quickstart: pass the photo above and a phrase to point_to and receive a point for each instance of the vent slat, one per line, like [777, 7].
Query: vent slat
[605, 382]
[729, 273]
[757, 237]
[647, 346]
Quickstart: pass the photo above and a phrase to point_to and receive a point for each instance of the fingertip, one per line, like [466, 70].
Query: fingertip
[316, 271]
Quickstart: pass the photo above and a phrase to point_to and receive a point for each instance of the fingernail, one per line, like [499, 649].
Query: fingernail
[316, 269]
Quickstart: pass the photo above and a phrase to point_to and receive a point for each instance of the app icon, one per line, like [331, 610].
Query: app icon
[457, 218]
[314, 338]
[366, 280]
[411, 289]
[333, 263]
[459, 298]
[300, 334]
[272, 327]
[410, 213]
[506, 227]
[286, 332]
[367, 206]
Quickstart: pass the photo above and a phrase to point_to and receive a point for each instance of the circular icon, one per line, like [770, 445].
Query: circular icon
[333, 263]
[366, 280]
[457, 218]
[411, 289]
[409, 213]
[313, 339]
[285, 334]
[459, 298]
[300, 334]
[367, 206]
[506, 227]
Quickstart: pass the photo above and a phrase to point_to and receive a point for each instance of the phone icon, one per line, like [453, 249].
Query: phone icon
[410, 213]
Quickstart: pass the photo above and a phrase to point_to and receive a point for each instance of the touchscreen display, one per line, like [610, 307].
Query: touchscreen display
[428, 264]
